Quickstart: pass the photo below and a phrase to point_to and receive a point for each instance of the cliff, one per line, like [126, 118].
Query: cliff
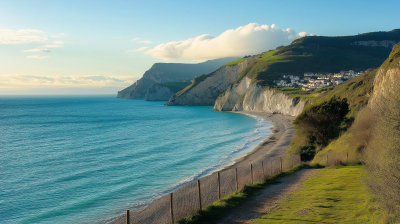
[164, 91]
[387, 79]
[246, 96]
[250, 84]
[158, 92]
[205, 89]
[169, 72]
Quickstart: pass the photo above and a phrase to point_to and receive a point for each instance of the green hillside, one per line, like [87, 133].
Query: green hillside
[320, 54]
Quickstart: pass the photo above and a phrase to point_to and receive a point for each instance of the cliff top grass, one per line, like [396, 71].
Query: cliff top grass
[236, 62]
[333, 195]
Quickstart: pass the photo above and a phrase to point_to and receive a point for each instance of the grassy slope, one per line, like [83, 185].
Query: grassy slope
[236, 62]
[334, 195]
[357, 92]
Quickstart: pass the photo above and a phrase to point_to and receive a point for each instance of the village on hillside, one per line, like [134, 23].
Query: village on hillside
[314, 80]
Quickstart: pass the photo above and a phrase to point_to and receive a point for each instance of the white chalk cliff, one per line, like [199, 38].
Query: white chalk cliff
[206, 91]
[247, 96]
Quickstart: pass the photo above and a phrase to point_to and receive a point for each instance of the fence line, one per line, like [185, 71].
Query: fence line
[195, 195]
[337, 158]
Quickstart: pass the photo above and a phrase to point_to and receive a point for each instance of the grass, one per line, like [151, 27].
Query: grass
[218, 210]
[333, 195]
[236, 62]
[298, 92]
[337, 149]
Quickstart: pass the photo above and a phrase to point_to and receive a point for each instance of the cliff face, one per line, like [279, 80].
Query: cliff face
[244, 96]
[137, 90]
[206, 91]
[158, 92]
[169, 72]
[387, 79]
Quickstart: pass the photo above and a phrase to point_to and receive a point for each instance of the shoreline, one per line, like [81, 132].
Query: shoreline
[274, 145]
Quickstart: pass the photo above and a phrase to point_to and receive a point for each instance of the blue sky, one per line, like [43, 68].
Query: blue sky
[96, 44]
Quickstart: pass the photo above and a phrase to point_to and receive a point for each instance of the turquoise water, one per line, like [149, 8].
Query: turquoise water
[87, 159]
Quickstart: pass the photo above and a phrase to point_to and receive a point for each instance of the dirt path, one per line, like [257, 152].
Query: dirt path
[267, 198]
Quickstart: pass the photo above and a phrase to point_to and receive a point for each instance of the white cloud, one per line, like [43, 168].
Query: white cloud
[19, 81]
[141, 41]
[37, 50]
[55, 44]
[21, 36]
[141, 48]
[58, 35]
[37, 56]
[250, 39]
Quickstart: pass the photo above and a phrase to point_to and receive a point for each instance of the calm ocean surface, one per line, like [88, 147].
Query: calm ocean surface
[86, 159]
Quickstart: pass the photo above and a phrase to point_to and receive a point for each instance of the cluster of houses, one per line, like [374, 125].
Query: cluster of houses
[314, 80]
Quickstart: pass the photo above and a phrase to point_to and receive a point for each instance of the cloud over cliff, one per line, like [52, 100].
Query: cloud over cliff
[250, 39]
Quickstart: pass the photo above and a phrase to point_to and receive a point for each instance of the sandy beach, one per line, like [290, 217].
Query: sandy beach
[275, 145]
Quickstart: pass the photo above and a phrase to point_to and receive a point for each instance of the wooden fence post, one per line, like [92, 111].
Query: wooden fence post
[327, 164]
[172, 209]
[271, 169]
[251, 172]
[347, 157]
[198, 185]
[237, 181]
[281, 165]
[127, 217]
[262, 166]
[219, 187]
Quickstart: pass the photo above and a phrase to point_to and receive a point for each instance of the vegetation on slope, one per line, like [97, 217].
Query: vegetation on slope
[356, 91]
[320, 54]
[374, 139]
[333, 195]
[383, 151]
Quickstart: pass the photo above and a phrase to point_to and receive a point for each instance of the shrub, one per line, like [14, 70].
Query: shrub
[323, 122]
[307, 152]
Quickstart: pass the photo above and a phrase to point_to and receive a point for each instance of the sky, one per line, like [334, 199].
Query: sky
[75, 46]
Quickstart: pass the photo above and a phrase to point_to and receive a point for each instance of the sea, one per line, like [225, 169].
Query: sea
[86, 159]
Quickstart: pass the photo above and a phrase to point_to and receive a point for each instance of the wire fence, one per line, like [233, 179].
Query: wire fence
[196, 195]
[338, 158]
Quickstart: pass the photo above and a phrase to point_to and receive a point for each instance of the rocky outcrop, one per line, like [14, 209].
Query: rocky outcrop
[244, 96]
[170, 72]
[158, 92]
[204, 92]
[387, 80]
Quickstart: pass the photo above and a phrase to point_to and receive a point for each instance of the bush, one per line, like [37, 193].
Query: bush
[307, 152]
[323, 122]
